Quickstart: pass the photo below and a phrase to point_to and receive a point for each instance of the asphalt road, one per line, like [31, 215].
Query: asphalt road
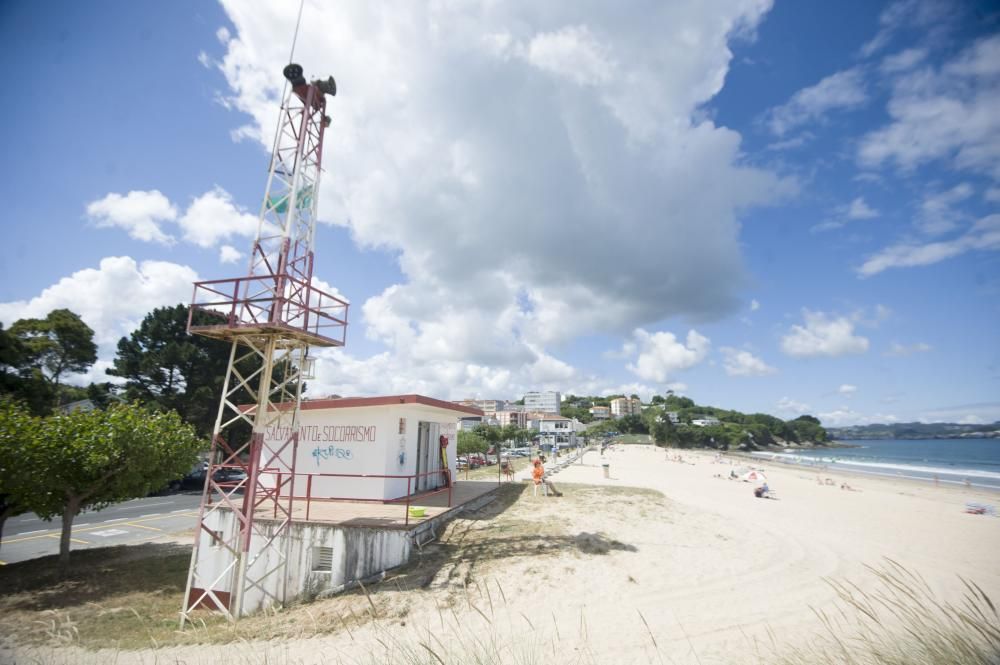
[136, 521]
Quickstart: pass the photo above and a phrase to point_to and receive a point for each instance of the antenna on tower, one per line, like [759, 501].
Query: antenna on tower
[270, 317]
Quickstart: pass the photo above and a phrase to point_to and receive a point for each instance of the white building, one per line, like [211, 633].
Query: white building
[625, 406]
[556, 430]
[674, 416]
[704, 421]
[374, 449]
[546, 402]
[512, 417]
[488, 406]
[600, 412]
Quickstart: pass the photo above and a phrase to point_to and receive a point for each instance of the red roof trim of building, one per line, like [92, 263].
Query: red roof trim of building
[348, 402]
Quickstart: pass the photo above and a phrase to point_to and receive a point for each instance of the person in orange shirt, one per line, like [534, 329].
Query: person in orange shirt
[538, 475]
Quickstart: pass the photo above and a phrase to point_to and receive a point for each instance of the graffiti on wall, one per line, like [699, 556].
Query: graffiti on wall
[331, 452]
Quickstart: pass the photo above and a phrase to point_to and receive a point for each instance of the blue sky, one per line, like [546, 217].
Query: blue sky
[784, 208]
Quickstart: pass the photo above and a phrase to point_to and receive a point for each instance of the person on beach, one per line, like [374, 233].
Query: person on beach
[538, 475]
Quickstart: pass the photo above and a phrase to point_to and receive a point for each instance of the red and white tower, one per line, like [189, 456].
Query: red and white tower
[271, 317]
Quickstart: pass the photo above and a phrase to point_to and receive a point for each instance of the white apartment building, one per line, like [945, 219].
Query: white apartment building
[625, 406]
[600, 412]
[487, 406]
[556, 430]
[511, 417]
[704, 421]
[546, 402]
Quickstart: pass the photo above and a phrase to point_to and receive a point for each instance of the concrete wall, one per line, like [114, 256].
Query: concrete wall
[365, 440]
[357, 554]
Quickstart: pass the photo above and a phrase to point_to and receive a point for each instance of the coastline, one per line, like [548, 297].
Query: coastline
[827, 470]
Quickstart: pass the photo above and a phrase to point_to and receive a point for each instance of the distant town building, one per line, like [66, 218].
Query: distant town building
[487, 406]
[512, 417]
[625, 406]
[546, 402]
[675, 417]
[469, 423]
[704, 421]
[553, 430]
[600, 412]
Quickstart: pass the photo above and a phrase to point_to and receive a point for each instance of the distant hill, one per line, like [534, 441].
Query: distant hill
[915, 431]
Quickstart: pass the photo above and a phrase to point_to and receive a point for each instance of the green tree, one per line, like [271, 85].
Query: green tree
[470, 442]
[92, 459]
[57, 344]
[19, 380]
[163, 365]
[17, 429]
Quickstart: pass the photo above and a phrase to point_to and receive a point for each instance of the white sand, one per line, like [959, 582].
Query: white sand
[711, 572]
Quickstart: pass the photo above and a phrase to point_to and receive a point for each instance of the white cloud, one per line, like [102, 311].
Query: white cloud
[927, 16]
[902, 61]
[661, 354]
[789, 405]
[462, 131]
[229, 254]
[903, 350]
[823, 335]
[139, 213]
[841, 91]
[744, 363]
[853, 211]
[847, 390]
[992, 195]
[213, 217]
[113, 298]
[948, 113]
[937, 213]
[845, 416]
[754, 305]
[858, 209]
[571, 52]
[983, 236]
[209, 219]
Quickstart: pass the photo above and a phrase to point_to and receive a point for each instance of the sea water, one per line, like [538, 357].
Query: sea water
[975, 462]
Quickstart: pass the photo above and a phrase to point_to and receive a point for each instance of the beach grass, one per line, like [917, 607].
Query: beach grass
[902, 622]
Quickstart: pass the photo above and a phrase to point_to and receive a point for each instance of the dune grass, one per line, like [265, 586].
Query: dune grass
[902, 622]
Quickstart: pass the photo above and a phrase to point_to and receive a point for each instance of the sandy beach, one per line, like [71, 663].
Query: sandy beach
[705, 573]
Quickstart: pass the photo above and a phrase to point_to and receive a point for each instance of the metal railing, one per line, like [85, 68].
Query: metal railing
[407, 499]
[271, 300]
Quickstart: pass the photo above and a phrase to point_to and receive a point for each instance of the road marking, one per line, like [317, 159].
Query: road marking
[35, 531]
[74, 540]
[117, 519]
[182, 510]
[151, 528]
[108, 533]
[20, 539]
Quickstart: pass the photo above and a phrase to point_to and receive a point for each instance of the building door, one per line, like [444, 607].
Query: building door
[428, 457]
[423, 444]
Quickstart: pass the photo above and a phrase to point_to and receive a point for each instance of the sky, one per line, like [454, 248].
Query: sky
[780, 207]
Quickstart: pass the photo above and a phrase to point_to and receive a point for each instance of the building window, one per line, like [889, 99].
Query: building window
[217, 539]
[402, 425]
[322, 560]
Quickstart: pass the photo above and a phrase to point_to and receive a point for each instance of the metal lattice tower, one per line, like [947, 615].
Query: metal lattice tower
[271, 317]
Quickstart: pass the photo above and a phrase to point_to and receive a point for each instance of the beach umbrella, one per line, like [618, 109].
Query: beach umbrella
[754, 477]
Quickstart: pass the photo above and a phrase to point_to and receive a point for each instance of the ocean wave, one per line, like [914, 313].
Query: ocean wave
[911, 468]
